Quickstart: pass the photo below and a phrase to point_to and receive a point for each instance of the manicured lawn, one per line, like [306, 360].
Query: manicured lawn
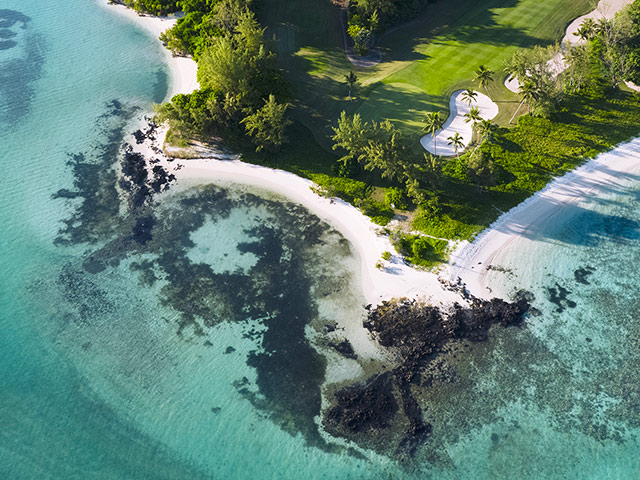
[424, 61]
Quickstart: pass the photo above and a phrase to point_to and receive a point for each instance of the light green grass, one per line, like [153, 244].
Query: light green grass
[424, 61]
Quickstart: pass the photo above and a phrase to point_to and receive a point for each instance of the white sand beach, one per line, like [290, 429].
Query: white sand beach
[183, 69]
[396, 279]
[605, 9]
[471, 261]
[458, 108]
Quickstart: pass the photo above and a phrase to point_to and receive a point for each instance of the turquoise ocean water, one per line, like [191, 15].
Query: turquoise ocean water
[187, 353]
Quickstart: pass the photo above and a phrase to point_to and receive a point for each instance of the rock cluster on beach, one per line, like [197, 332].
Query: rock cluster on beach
[383, 412]
[143, 177]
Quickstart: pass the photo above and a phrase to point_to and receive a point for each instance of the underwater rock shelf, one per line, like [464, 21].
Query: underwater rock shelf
[383, 413]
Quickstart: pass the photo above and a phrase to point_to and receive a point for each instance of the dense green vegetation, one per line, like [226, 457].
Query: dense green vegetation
[242, 95]
[202, 20]
[374, 117]
[155, 7]
[367, 18]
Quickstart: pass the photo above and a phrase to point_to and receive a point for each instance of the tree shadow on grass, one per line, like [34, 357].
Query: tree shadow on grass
[402, 104]
[466, 21]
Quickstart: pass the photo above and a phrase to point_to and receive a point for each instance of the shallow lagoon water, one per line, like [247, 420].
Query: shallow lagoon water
[107, 373]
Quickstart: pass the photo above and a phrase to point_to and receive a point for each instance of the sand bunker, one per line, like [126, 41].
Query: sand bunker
[456, 123]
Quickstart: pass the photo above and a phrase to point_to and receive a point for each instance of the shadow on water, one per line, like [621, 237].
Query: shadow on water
[556, 221]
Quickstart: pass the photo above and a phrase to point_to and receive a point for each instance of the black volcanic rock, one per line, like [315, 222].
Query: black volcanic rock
[367, 407]
[344, 348]
[416, 333]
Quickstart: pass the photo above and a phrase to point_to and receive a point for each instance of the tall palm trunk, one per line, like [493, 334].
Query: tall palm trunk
[516, 112]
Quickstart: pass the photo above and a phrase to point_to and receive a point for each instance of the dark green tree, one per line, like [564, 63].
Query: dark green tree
[469, 96]
[267, 126]
[484, 77]
[351, 79]
[456, 142]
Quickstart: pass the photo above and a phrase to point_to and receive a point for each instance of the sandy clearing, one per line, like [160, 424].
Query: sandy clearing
[456, 123]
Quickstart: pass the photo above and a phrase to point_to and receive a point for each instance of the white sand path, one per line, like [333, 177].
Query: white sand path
[470, 261]
[183, 69]
[605, 9]
[458, 108]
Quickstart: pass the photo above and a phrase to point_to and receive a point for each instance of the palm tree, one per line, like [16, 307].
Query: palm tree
[469, 96]
[433, 122]
[530, 93]
[484, 77]
[587, 30]
[433, 167]
[473, 116]
[486, 129]
[514, 67]
[456, 141]
[351, 79]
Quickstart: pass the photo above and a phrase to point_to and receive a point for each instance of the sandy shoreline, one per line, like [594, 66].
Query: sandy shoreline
[183, 69]
[471, 260]
[395, 279]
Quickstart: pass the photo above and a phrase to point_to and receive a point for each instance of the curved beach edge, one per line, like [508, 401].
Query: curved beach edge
[472, 261]
[183, 70]
[394, 279]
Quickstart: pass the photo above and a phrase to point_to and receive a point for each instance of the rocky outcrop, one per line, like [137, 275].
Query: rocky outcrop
[369, 413]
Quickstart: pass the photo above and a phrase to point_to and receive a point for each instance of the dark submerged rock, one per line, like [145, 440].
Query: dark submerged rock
[581, 274]
[363, 408]
[416, 333]
[344, 348]
[559, 296]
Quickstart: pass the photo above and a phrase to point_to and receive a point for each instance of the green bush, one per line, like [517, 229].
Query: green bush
[345, 188]
[396, 198]
[380, 213]
[422, 251]
[421, 248]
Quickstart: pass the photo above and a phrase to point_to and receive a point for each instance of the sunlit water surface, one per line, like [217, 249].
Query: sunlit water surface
[193, 354]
